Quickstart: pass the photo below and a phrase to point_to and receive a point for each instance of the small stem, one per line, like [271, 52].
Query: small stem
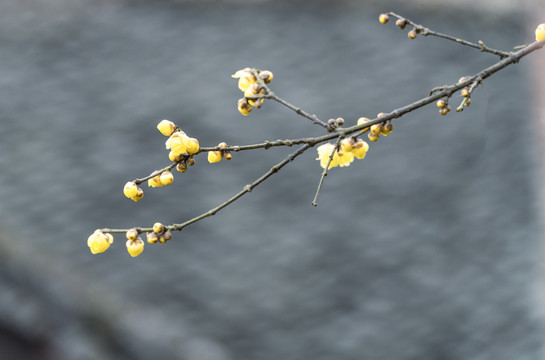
[324, 173]
[426, 31]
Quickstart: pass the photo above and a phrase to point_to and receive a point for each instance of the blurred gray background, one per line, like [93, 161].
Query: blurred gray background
[427, 249]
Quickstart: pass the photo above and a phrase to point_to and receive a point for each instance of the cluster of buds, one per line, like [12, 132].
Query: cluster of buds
[159, 234]
[348, 150]
[384, 128]
[251, 83]
[334, 123]
[400, 23]
[135, 244]
[443, 106]
[216, 156]
[99, 242]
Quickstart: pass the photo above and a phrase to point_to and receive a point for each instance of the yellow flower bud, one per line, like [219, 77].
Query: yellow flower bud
[155, 181]
[152, 237]
[175, 157]
[253, 90]
[227, 155]
[412, 34]
[360, 149]
[540, 32]
[266, 76]
[363, 120]
[166, 178]
[132, 234]
[244, 107]
[191, 161]
[383, 18]
[372, 136]
[441, 103]
[166, 127]
[139, 195]
[182, 167]
[99, 242]
[376, 129]
[193, 146]
[214, 156]
[158, 228]
[130, 190]
[135, 247]
[167, 235]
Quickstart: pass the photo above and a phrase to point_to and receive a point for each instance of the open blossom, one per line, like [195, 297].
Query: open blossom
[178, 143]
[349, 150]
[339, 159]
[245, 78]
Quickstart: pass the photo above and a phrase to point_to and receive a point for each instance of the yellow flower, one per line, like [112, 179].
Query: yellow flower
[166, 178]
[360, 149]
[540, 32]
[244, 107]
[362, 120]
[158, 228]
[174, 157]
[324, 152]
[193, 146]
[135, 247]
[139, 195]
[155, 181]
[344, 158]
[152, 237]
[266, 76]
[177, 143]
[130, 190]
[245, 78]
[252, 90]
[166, 127]
[214, 156]
[99, 242]
[347, 145]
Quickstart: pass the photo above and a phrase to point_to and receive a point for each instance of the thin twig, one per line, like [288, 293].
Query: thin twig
[248, 188]
[424, 31]
[324, 173]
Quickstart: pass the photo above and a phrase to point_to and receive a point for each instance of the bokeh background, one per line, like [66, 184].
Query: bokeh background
[430, 248]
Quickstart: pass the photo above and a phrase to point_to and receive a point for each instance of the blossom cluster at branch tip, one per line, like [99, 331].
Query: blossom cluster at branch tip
[540, 32]
[253, 87]
[443, 106]
[384, 128]
[400, 23]
[348, 150]
[99, 242]
[216, 156]
[159, 234]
